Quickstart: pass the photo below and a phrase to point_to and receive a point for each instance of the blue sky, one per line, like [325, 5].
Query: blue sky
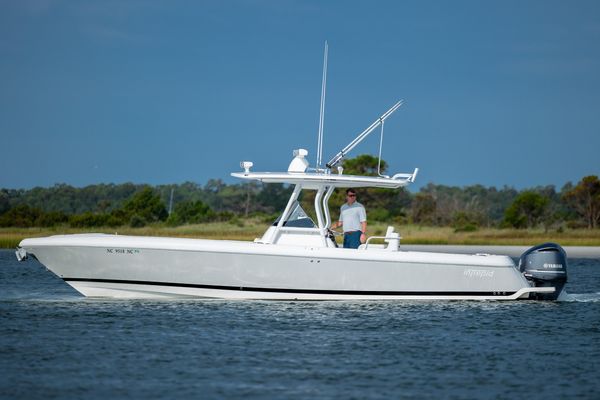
[496, 92]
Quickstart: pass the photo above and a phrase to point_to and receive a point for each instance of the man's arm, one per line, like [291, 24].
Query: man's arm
[339, 222]
[363, 224]
[363, 236]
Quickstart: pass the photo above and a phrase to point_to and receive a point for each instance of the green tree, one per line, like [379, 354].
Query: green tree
[191, 212]
[423, 209]
[145, 207]
[4, 201]
[585, 200]
[484, 206]
[463, 221]
[527, 210]
[52, 218]
[364, 164]
[88, 220]
[237, 198]
[273, 197]
[22, 216]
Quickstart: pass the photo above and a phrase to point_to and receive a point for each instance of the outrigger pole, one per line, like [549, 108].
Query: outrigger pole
[338, 157]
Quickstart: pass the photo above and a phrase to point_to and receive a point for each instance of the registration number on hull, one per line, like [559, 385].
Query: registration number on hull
[122, 251]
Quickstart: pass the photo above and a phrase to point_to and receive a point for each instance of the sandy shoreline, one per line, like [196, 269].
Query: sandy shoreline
[513, 251]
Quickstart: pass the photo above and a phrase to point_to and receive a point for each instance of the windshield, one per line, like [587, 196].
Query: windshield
[297, 219]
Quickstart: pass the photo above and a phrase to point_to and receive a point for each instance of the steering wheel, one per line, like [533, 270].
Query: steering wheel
[331, 234]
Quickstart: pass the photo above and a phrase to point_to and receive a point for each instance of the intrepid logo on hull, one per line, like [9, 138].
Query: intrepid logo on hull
[478, 273]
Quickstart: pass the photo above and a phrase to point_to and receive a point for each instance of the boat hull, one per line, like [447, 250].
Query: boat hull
[140, 267]
[140, 290]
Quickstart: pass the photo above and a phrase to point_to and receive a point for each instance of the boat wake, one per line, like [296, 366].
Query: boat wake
[580, 297]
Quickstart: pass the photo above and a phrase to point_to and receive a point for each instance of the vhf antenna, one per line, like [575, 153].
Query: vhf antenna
[322, 111]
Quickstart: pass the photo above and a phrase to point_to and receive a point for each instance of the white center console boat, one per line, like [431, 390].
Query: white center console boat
[296, 258]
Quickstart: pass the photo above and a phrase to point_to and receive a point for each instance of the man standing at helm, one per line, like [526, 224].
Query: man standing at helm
[353, 218]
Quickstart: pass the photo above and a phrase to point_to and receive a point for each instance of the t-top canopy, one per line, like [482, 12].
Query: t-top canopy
[316, 180]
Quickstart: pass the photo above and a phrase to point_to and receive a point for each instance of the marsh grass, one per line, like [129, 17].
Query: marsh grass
[249, 229]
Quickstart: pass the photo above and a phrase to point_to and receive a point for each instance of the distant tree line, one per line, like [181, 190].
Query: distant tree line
[464, 208]
[138, 205]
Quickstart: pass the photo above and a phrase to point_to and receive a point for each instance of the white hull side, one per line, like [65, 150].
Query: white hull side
[120, 266]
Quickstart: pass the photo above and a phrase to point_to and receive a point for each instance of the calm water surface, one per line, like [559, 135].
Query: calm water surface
[56, 344]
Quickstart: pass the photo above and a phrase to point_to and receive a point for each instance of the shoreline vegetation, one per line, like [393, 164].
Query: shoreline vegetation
[237, 229]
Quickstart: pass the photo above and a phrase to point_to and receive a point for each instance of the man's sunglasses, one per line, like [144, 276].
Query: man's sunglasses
[351, 195]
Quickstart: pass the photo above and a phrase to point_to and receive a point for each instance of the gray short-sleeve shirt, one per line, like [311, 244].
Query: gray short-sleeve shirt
[352, 216]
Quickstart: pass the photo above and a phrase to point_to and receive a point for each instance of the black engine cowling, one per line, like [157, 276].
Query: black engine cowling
[545, 265]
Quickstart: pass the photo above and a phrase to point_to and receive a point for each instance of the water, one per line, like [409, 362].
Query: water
[55, 343]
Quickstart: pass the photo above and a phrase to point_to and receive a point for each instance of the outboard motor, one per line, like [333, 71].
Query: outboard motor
[545, 265]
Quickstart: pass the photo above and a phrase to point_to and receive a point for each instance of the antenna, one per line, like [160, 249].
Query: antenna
[171, 201]
[322, 111]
